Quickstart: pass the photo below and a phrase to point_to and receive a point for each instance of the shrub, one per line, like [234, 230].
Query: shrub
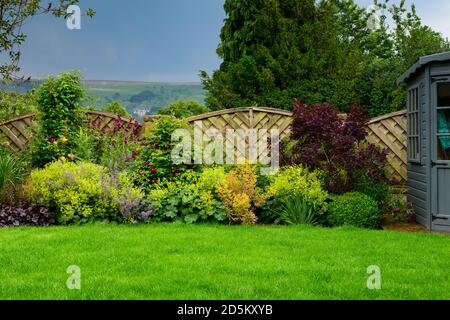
[380, 191]
[298, 181]
[60, 117]
[321, 139]
[354, 209]
[183, 109]
[399, 210]
[240, 195]
[16, 104]
[85, 192]
[289, 184]
[116, 108]
[23, 214]
[113, 149]
[154, 161]
[189, 198]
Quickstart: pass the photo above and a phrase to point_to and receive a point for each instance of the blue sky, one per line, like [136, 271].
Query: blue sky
[148, 40]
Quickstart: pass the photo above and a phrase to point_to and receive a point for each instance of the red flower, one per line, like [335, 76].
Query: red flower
[154, 170]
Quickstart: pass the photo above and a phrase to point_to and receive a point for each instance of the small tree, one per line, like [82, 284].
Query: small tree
[183, 109]
[60, 117]
[116, 108]
[322, 139]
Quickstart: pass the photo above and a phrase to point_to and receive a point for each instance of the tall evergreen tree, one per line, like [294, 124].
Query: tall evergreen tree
[277, 50]
[316, 51]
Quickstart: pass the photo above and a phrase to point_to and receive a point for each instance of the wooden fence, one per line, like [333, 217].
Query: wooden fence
[388, 131]
[18, 132]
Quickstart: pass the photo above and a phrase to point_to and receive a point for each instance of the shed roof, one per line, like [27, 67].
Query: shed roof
[423, 61]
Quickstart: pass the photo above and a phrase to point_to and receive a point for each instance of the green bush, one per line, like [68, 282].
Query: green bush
[290, 183]
[114, 150]
[154, 161]
[189, 198]
[84, 192]
[183, 109]
[354, 209]
[116, 108]
[59, 117]
[15, 104]
[380, 191]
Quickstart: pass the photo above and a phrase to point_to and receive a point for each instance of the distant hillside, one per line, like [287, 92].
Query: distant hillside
[139, 98]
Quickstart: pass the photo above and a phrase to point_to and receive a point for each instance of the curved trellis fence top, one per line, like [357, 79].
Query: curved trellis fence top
[388, 132]
[18, 132]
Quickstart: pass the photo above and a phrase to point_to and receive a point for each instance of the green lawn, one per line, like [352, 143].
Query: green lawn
[221, 262]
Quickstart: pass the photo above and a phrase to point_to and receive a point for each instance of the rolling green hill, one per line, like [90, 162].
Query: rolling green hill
[139, 98]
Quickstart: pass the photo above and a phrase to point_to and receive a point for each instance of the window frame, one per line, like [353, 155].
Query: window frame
[414, 119]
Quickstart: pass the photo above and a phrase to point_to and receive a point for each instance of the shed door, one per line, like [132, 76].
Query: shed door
[441, 152]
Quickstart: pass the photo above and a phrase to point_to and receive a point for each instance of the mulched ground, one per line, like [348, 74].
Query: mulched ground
[405, 227]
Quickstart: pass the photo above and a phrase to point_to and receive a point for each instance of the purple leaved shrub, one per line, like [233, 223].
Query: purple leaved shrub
[325, 140]
[23, 214]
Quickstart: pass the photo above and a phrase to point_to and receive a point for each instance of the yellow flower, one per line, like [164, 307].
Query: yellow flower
[63, 140]
[62, 158]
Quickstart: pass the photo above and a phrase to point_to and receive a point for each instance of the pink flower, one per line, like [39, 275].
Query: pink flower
[154, 170]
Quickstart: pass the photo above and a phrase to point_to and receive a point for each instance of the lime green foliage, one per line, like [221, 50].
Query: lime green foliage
[154, 162]
[12, 172]
[82, 192]
[14, 104]
[189, 198]
[183, 109]
[299, 182]
[354, 209]
[288, 185]
[60, 117]
[167, 261]
[116, 108]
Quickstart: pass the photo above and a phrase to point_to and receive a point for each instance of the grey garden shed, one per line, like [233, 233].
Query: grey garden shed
[428, 111]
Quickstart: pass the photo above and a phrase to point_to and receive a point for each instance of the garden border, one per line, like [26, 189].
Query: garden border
[387, 131]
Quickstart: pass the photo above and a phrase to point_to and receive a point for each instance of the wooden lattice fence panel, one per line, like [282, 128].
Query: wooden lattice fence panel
[107, 122]
[389, 132]
[18, 132]
[243, 122]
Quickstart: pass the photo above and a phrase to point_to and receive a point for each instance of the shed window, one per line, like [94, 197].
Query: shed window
[413, 124]
[444, 94]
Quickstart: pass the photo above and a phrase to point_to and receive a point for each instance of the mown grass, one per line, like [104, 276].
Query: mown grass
[221, 262]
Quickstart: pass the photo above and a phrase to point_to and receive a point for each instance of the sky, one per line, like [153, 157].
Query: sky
[149, 40]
